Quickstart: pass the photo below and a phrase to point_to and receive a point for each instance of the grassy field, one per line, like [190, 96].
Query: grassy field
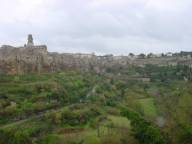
[148, 106]
[119, 121]
[87, 135]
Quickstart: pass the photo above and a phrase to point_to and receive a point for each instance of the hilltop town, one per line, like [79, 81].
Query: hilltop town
[35, 58]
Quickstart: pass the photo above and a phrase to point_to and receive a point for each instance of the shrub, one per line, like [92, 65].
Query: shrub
[144, 131]
[14, 137]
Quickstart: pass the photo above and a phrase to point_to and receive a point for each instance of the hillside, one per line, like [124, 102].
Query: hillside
[86, 107]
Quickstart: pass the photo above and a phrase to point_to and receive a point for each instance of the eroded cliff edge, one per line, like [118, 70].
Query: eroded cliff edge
[32, 58]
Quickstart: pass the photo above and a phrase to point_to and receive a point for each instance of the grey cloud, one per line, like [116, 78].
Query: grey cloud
[102, 26]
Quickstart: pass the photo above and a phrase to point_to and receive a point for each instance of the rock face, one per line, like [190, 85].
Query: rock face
[35, 58]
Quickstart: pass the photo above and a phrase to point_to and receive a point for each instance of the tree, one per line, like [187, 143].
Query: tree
[141, 55]
[149, 55]
[144, 131]
[131, 55]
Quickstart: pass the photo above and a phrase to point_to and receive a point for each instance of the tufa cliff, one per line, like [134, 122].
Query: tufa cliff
[32, 58]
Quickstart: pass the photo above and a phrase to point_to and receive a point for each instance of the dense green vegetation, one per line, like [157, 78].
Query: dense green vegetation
[86, 108]
[145, 132]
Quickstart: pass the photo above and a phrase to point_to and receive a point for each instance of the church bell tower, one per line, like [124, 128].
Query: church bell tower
[30, 40]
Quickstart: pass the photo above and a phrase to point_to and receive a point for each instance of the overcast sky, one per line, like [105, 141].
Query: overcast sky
[102, 26]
